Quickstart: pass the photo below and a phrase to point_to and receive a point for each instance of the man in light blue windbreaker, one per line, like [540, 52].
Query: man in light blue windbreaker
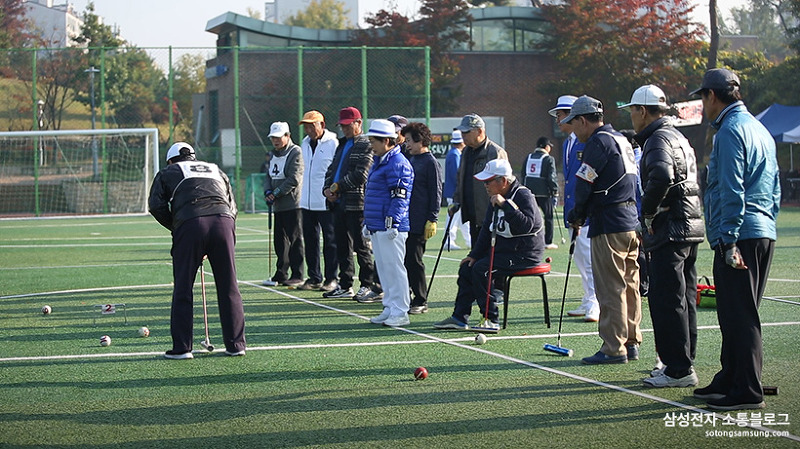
[741, 207]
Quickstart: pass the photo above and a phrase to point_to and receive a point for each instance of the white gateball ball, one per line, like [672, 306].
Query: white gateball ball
[144, 331]
[46, 310]
[480, 339]
[105, 340]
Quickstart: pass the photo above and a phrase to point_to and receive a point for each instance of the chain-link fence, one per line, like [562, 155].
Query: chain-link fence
[222, 100]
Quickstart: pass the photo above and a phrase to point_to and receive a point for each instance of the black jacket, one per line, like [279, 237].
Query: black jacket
[353, 174]
[545, 182]
[669, 179]
[426, 195]
[190, 189]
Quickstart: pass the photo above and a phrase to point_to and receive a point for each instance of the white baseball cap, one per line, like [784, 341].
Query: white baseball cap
[382, 128]
[175, 150]
[279, 129]
[648, 95]
[456, 137]
[493, 169]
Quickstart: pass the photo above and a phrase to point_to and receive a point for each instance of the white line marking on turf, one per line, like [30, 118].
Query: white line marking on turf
[85, 290]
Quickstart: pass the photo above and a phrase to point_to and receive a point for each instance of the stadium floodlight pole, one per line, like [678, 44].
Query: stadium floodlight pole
[91, 71]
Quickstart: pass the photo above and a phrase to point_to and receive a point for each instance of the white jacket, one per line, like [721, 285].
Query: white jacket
[316, 164]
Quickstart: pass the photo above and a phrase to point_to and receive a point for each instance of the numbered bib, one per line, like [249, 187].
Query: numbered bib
[276, 167]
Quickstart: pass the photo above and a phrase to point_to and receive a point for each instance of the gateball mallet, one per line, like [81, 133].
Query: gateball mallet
[207, 342]
[269, 282]
[558, 220]
[445, 239]
[558, 349]
[483, 328]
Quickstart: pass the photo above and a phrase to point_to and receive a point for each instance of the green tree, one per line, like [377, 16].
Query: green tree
[322, 14]
[188, 79]
[442, 27]
[760, 18]
[608, 49]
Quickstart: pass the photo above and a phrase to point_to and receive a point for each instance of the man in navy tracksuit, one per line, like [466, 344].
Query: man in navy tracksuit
[423, 213]
[514, 214]
[194, 200]
[386, 199]
[606, 191]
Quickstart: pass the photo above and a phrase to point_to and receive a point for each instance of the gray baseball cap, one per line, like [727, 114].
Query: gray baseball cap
[583, 105]
[719, 79]
[471, 121]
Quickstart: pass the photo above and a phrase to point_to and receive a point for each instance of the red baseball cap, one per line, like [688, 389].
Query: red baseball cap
[348, 115]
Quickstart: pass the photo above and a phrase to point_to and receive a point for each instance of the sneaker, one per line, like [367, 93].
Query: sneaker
[417, 310]
[453, 247]
[380, 318]
[235, 353]
[294, 282]
[592, 316]
[369, 297]
[728, 403]
[339, 292]
[310, 285]
[178, 355]
[599, 359]
[329, 286]
[450, 323]
[361, 292]
[663, 381]
[708, 393]
[396, 321]
[551, 246]
[633, 352]
[489, 325]
[580, 311]
[659, 368]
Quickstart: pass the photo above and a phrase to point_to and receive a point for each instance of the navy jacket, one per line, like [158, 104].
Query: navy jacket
[353, 172]
[426, 196]
[606, 186]
[519, 228]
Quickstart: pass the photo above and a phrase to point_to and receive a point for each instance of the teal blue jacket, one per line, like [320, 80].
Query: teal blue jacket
[742, 199]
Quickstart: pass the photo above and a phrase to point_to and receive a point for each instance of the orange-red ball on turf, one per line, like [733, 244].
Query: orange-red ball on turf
[420, 373]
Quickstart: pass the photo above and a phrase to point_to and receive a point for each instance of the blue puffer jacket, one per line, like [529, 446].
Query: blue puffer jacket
[743, 194]
[572, 162]
[388, 192]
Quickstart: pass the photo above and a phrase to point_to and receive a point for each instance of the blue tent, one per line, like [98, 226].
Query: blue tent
[783, 122]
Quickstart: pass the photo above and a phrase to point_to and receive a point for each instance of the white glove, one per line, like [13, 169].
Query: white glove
[364, 232]
[392, 233]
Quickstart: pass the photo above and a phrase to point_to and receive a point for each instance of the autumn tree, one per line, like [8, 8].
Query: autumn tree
[322, 14]
[607, 49]
[13, 25]
[442, 26]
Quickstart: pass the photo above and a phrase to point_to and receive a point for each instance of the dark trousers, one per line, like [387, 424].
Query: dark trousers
[673, 305]
[474, 231]
[739, 294]
[415, 267]
[288, 245]
[473, 282]
[347, 227]
[546, 205]
[215, 236]
[315, 221]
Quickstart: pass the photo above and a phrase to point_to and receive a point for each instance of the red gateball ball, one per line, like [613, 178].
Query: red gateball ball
[549, 259]
[420, 373]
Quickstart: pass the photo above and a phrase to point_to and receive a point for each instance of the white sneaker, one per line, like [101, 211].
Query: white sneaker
[399, 320]
[592, 316]
[380, 318]
[551, 246]
[663, 380]
[580, 311]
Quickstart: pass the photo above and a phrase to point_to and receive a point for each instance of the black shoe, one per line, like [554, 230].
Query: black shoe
[633, 352]
[339, 293]
[178, 355]
[728, 403]
[708, 392]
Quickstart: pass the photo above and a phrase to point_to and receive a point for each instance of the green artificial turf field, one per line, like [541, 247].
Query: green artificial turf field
[318, 374]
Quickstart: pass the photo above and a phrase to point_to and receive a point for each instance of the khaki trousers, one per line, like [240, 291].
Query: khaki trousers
[616, 283]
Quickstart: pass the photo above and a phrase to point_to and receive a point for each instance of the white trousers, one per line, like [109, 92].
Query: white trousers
[583, 261]
[389, 257]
